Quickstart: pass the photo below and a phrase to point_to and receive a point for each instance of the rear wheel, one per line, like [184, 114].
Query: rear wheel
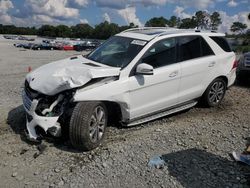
[214, 93]
[88, 125]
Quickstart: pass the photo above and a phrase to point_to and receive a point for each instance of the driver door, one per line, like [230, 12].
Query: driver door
[152, 93]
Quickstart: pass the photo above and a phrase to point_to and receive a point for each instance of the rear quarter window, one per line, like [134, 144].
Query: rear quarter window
[222, 42]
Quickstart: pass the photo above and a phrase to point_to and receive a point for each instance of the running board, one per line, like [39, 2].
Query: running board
[161, 114]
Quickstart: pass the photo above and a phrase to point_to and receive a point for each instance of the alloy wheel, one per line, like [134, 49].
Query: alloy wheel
[216, 92]
[97, 124]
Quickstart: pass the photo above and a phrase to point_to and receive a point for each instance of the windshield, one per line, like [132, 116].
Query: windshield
[117, 51]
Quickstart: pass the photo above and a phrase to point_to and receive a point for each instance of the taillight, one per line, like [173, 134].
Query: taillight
[235, 65]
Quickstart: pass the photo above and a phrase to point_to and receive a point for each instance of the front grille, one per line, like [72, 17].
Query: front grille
[26, 101]
[28, 95]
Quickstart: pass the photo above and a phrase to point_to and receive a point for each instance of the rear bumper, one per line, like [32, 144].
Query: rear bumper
[231, 78]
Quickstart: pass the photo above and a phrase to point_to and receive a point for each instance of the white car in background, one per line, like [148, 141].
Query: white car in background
[136, 76]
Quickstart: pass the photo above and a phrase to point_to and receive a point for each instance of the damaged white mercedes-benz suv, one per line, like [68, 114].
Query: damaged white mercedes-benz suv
[136, 76]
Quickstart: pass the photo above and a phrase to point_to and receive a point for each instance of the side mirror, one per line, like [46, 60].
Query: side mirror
[144, 69]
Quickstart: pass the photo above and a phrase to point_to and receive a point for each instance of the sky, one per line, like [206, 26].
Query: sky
[122, 12]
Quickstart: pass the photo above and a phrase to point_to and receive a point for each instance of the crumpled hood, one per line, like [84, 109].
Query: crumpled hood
[65, 74]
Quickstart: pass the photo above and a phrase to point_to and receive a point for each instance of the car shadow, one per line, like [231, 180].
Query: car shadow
[199, 168]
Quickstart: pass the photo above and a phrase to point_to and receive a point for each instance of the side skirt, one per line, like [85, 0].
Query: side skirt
[161, 113]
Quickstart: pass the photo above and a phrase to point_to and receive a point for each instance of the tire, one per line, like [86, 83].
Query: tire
[214, 93]
[84, 131]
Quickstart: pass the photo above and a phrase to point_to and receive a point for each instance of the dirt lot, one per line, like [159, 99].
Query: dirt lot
[195, 144]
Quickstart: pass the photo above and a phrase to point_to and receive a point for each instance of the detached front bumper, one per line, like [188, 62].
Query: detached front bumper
[33, 120]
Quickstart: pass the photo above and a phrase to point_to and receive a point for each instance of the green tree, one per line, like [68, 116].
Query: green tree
[9, 29]
[201, 18]
[132, 25]
[82, 31]
[47, 30]
[215, 21]
[125, 27]
[246, 38]
[105, 30]
[173, 21]
[188, 23]
[157, 22]
[238, 27]
[33, 31]
[1, 28]
[63, 31]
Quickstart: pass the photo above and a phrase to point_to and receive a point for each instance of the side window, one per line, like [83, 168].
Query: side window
[205, 48]
[189, 47]
[161, 53]
[222, 42]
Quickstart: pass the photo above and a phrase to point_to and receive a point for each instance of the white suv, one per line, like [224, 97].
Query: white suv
[136, 76]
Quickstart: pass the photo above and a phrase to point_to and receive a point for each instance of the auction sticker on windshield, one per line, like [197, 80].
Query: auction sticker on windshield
[139, 42]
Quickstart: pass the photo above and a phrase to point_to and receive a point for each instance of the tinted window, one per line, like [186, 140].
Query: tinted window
[161, 53]
[191, 47]
[222, 42]
[205, 48]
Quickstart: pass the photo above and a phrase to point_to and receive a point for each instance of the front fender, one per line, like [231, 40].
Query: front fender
[115, 91]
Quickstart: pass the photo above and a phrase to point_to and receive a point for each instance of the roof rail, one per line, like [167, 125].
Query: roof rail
[183, 30]
[204, 30]
[167, 32]
[148, 28]
[143, 28]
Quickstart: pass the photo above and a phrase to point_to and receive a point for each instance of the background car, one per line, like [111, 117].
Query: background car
[28, 45]
[18, 45]
[44, 46]
[68, 47]
[89, 45]
[243, 70]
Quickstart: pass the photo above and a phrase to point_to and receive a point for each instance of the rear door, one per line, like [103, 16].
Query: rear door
[151, 93]
[197, 61]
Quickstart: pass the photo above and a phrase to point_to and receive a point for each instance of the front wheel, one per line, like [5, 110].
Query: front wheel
[88, 125]
[214, 93]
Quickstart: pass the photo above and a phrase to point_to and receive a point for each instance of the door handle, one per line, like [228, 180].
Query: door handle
[211, 64]
[173, 74]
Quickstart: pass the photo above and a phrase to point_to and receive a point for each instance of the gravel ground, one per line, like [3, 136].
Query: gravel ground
[195, 144]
